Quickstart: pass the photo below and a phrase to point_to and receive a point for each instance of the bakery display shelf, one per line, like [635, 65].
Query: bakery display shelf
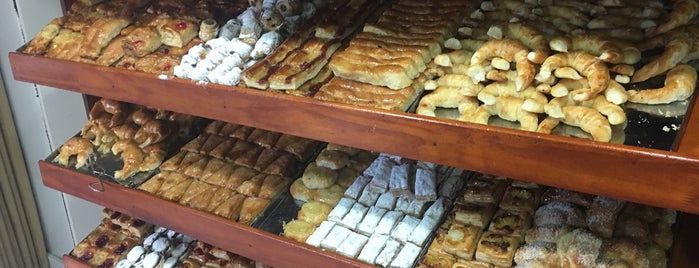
[246, 241]
[266, 247]
[627, 172]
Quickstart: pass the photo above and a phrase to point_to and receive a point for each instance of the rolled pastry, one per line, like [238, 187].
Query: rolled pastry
[178, 32]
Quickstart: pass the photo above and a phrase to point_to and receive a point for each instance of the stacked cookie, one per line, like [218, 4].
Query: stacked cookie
[384, 223]
[333, 170]
[111, 240]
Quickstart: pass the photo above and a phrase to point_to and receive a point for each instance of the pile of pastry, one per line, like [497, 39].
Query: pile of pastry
[148, 36]
[111, 240]
[299, 64]
[385, 217]
[540, 63]
[382, 65]
[139, 136]
[333, 170]
[244, 40]
[161, 248]
[231, 170]
[498, 223]
[209, 256]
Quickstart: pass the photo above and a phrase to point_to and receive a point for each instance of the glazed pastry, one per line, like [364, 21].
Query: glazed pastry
[510, 222]
[252, 186]
[273, 185]
[330, 195]
[231, 207]
[314, 212]
[78, 146]
[477, 214]
[142, 41]
[317, 177]
[40, 43]
[497, 249]
[300, 192]
[252, 207]
[484, 189]
[198, 195]
[521, 199]
[461, 240]
[99, 34]
[298, 230]
[332, 159]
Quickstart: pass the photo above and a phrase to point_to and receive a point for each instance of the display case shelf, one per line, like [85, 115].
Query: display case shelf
[649, 176]
[265, 247]
[252, 243]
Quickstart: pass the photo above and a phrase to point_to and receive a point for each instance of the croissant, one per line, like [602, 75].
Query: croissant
[589, 120]
[679, 85]
[534, 101]
[682, 12]
[529, 36]
[508, 108]
[79, 146]
[447, 97]
[606, 50]
[595, 70]
[675, 51]
[132, 156]
[510, 50]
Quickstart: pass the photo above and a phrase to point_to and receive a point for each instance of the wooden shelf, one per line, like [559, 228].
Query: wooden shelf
[268, 248]
[648, 176]
[243, 240]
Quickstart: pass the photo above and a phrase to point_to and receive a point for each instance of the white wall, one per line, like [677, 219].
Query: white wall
[45, 117]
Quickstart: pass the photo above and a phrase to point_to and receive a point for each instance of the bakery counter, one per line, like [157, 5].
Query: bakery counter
[246, 241]
[626, 172]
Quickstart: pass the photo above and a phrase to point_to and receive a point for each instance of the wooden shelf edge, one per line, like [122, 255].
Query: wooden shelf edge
[259, 245]
[630, 173]
[72, 262]
[246, 241]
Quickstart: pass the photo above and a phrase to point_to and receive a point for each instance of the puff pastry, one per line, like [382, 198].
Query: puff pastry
[497, 249]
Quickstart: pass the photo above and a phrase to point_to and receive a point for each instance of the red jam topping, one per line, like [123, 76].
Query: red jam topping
[181, 26]
[138, 223]
[107, 263]
[86, 257]
[101, 241]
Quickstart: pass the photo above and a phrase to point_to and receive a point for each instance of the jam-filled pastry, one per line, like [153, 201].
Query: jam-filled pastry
[142, 41]
[461, 240]
[79, 146]
[178, 32]
[497, 249]
[510, 222]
